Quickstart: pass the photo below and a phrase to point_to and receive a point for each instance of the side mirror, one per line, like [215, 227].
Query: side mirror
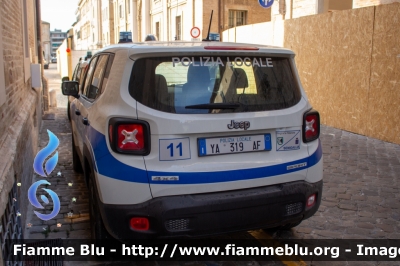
[66, 78]
[70, 88]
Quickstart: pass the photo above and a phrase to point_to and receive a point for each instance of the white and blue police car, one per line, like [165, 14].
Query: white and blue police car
[186, 139]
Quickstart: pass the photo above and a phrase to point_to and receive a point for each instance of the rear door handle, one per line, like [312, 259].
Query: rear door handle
[85, 121]
[77, 112]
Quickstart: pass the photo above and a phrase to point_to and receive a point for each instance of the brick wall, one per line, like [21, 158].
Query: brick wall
[209, 5]
[20, 115]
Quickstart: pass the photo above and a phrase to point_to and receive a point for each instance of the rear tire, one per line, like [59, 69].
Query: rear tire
[98, 230]
[76, 163]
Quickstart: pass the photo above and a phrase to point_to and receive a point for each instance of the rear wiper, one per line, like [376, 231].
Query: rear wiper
[214, 106]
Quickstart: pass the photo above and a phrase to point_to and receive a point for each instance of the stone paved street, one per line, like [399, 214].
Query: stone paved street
[360, 197]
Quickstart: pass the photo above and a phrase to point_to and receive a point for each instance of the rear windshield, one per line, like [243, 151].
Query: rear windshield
[214, 84]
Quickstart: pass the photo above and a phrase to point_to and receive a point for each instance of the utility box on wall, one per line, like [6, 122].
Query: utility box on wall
[36, 75]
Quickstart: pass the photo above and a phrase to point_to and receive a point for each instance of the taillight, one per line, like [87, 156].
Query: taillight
[311, 126]
[129, 136]
[311, 201]
[140, 223]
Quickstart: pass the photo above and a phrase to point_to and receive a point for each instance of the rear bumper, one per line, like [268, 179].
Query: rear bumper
[214, 213]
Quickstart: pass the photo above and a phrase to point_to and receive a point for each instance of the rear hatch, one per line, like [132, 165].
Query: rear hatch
[220, 120]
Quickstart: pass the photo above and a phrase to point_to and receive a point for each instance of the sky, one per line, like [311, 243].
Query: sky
[59, 13]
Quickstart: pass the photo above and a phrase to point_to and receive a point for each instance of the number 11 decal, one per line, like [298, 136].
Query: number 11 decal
[174, 149]
[171, 147]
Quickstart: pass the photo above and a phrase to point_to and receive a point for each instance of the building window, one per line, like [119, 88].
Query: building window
[158, 30]
[178, 28]
[237, 18]
[120, 12]
[129, 7]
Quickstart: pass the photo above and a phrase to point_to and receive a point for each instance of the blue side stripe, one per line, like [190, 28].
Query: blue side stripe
[111, 167]
[108, 166]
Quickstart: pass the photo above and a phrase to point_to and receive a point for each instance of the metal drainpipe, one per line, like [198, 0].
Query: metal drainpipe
[126, 16]
[39, 31]
[100, 24]
[223, 15]
[139, 16]
[291, 9]
[193, 13]
[219, 18]
[168, 26]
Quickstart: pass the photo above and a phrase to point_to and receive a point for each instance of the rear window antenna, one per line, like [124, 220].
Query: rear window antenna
[209, 26]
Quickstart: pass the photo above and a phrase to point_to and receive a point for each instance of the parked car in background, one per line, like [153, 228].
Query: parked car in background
[79, 71]
[54, 59]
[214, 37]
[125, 36]
[150, 37]
[179, 140]
[45, 64]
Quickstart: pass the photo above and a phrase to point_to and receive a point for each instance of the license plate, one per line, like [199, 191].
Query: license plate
[235, 144]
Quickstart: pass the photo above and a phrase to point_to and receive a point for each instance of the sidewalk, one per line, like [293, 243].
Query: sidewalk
[69, 186]
[54, 82]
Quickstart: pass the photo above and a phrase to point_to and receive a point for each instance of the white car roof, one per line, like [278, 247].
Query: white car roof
[182, 46]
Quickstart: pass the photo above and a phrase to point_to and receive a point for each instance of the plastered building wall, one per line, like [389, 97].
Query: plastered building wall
[267, 33]
[348, 62]
[46, 41]
[20, 114]
[107, 22]
[196, 13]
[365, 3]
[304, 8]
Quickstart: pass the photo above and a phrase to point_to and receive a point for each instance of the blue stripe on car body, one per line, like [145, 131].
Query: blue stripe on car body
[109, 166]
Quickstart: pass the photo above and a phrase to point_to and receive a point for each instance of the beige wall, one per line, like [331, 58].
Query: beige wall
[340, 4]
[348, 62]
[334, 61]
[269, 33]
[365, 3]
[62, 60]
[349, 67]
[196, 13]
[89, 25]
[383, 117]
[107, 22]
[46, 45]
[304, 8]
[165, 12]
